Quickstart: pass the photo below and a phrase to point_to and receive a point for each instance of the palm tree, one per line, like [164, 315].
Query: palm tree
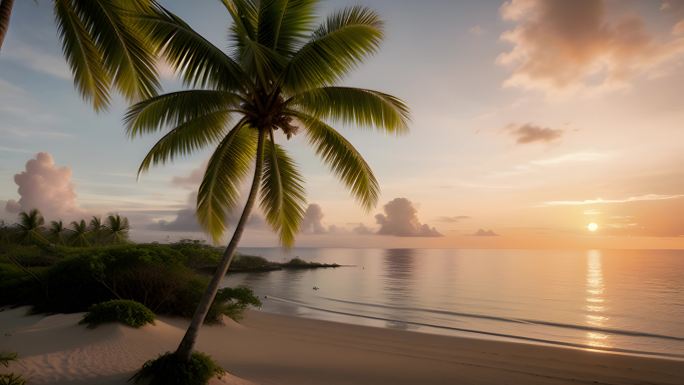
[281, 73]
[97, 229]
[30, 227]
[103, 47]
[5, 14]
[57, 231]
[79, 234]
[5, 232]
[117, 229]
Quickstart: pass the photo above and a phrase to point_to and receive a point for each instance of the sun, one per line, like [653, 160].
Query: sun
[592, 227]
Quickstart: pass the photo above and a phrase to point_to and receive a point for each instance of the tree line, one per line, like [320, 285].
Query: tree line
[31, 229]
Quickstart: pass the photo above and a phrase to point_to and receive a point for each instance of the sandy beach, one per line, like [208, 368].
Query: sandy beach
[274, 349]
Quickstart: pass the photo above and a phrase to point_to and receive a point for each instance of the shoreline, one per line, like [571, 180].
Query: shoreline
[487, 335]
[275, 349]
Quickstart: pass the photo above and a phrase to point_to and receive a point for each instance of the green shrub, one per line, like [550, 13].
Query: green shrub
[9, 378]
[146, 273]
[12, 379]
[229, 301]
[127, 312]
[168, 369]
[6, 358]
[232, 302]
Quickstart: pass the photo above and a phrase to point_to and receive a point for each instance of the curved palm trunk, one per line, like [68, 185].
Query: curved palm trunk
[187, 344]
[5, 13]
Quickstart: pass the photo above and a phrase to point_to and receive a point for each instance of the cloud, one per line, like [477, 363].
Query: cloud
[476, 30]
[362, 229]
[574, 157]
[678, 29]
[38, 61]
[16, 150]
[599, 201]
[186, 219]
[313, 220]
[400, 219]
[192, 180]
[561, 45]
[530, 133]
[453, 219]
[46, 187]
[484, 233]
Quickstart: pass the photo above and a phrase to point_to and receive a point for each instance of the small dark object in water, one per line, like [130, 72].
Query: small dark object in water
[315, 287]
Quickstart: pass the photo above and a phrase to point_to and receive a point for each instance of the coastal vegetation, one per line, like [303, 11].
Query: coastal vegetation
[169, 369]
[127, 312]
[166, 278]
[100, 271]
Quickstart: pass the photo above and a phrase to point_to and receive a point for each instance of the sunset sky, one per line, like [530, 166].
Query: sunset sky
[530, 120]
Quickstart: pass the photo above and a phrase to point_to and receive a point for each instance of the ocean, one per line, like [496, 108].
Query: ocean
[626, 301]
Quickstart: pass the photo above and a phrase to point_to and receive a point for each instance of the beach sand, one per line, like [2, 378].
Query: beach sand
[274, 349]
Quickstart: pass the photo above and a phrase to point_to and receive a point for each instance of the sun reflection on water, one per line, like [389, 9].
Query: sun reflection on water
[594, 307]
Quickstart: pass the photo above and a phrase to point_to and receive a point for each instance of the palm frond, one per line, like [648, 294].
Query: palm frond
[128, 55]
[283, 198]
[356, 106]
[176, 108]
[343, 159]
[187, 138]
[83, 56]
[258, 60]
[227, 167]
[245, 17]
[199, 62]
[339, 45]
[284, 24]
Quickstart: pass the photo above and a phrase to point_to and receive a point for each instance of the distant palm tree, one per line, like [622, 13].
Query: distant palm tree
[57, 231]
[5, 232]
[79, 234]
[280, 74]
[117, 229]
[97, 230]
[102, 46]
[30, 227]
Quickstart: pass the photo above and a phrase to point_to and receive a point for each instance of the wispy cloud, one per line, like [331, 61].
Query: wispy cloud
[17, 150]
[476, 30]
[452, 219]
[530, 133]
[539, 164]
[575, 157]
[38, 61]
[600, 201]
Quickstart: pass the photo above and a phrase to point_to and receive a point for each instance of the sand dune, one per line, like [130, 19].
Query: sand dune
[56, 350]
[273, 349]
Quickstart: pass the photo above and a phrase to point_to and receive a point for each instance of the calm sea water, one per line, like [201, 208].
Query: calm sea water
[613, 300]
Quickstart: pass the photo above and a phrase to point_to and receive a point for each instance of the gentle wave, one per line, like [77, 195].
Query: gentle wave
[623, 332]
[482, 332]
